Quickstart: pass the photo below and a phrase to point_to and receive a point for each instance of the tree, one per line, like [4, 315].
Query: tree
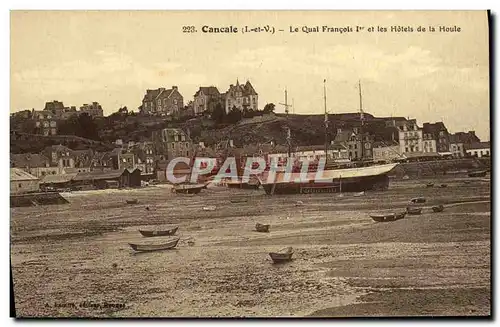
[82, 125]
[234, 115]
[218, 114]
[269, 108]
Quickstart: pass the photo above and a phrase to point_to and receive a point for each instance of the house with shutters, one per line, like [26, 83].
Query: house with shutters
[241, 96]
[206, 99]
[162, 101]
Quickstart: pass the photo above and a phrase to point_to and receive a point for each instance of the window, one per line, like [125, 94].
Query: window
[416, 148]
[20, 185]
[406, 149]
[355, 146]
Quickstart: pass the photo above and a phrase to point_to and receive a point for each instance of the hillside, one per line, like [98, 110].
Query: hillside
[305, 130]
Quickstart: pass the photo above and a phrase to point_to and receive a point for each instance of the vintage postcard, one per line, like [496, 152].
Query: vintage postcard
[250, 164]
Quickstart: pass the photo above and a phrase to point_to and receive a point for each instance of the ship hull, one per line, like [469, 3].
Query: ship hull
[355, 180]
[371, 183]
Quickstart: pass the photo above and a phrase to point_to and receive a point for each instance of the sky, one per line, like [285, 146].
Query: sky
[113, 56]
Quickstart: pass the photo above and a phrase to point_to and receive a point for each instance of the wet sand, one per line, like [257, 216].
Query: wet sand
[74, 260]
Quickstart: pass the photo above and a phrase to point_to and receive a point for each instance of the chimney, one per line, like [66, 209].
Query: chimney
[174, 88]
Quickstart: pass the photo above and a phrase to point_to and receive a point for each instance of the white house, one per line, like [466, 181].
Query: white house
[410, 137]
[481, 149]
[23, 182]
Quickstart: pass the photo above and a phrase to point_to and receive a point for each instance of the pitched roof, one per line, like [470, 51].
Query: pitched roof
[56, 179]
[477, 145]
[434, 128]
[111, 174]
[208, 90]
[245, 90]
[420, 154]
[316, 147]
[249, 88]
[152, 94]
[462, 137]
[58, 148]
[32, 160]
[384, 143]
[17, 174]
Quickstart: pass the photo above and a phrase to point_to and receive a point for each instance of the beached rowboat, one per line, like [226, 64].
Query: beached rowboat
[385, 217]
[420, 199]
[134, 201]
[438, 208]
[413, 211]
[152, 233]
[282, 255]
[147, 247]
[478, 173]
[262, 228]
[188, 188]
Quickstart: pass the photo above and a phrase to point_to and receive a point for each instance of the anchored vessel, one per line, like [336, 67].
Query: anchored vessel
[330, 179]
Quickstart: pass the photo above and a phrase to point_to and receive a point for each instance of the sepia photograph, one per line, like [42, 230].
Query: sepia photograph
[250, 164]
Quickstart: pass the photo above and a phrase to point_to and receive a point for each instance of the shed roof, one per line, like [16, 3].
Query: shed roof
[92, 175]
[56, 179]
[17, 174]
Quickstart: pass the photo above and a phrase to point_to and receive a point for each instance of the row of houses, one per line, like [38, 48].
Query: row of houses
[163, 101]
[401, 139]
[46, 121]
[23, 182]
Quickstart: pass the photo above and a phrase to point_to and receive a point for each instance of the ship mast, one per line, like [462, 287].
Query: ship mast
[362, 119]
[288, 133]
[326, 122]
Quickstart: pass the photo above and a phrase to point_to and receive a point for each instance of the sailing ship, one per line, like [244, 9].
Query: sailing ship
[188, 187]
[330, 179]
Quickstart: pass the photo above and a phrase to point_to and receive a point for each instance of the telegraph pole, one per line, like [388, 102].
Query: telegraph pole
[326, 120]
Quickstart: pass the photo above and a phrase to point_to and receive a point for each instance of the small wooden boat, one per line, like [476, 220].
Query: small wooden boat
[385, 217]
[262, 228]
[209, 208]
[148, 247]
[419, 199]
[413, 211]
[188, 188]
[133, 201]
[429, 185]
[438, 208]
[478, 173]
[443, 185]
[152, 233]
[239, 200]
[359, 193]
[283, 255]
[251, 184]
